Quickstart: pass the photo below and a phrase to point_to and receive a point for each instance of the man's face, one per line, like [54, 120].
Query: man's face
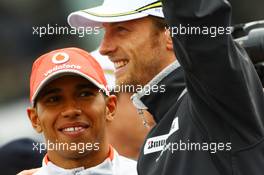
[136, 47]
[71, 110]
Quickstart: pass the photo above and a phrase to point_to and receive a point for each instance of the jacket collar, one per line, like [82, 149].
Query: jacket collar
[170, 79]
[105, 168]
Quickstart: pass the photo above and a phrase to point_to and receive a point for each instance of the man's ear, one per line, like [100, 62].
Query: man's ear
[110, 107]
[33, 117]
[169, 43]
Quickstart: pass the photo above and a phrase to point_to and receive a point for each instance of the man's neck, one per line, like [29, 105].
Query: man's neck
[74, 159]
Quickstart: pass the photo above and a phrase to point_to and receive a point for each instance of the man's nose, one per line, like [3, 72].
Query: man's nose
[107, 44]
[71, 110]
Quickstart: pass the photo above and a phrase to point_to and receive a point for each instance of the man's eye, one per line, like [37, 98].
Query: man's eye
[86, 94]
[121, 29]
[52, 99]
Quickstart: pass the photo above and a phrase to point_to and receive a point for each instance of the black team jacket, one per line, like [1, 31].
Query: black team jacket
[216, 125]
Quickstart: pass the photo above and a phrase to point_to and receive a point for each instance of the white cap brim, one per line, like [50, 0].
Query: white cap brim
[108, 14]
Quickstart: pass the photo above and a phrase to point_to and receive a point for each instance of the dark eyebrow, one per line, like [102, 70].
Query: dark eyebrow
[49, 91]
[85, 86]
[116, 23]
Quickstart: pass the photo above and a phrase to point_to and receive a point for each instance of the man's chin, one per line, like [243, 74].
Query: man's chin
[78, 154]
[121, 80]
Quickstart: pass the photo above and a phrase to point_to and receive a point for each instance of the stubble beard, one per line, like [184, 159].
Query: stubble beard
[144, 71]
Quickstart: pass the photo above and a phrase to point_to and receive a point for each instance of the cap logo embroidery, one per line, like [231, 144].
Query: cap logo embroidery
[60, 58]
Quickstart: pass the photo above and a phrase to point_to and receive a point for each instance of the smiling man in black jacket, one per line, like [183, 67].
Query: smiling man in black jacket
[210, 119]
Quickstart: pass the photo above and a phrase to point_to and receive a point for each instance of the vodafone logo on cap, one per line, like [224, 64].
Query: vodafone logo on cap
[60, 58]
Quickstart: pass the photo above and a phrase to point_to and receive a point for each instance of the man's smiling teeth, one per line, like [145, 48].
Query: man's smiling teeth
[119, 64]
[72, 129]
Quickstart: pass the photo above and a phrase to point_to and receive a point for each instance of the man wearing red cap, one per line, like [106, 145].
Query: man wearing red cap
[71, 106]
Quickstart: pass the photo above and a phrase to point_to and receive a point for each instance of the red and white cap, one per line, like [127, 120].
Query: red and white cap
[65, 61]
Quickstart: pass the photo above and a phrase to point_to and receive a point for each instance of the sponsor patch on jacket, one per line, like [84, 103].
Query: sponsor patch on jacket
[156, 144]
